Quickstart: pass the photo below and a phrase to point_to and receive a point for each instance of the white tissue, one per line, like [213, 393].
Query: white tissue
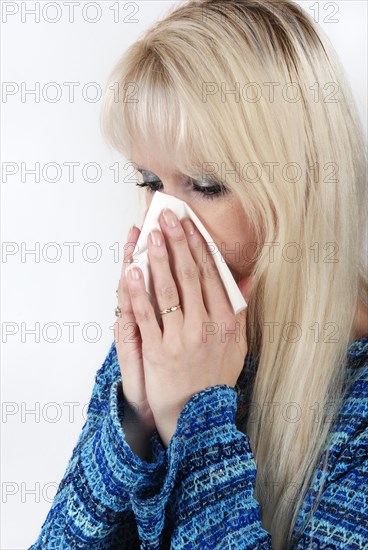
[141, 259]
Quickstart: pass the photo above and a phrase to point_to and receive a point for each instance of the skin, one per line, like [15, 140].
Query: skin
[361, 322]
[168, 355]
[223, 217]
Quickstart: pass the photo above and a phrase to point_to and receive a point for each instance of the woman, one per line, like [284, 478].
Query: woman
[254, 434]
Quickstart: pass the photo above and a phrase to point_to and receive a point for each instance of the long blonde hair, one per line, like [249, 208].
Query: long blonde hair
[254, 88]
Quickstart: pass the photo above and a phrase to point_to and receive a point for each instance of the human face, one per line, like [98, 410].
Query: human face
[223, 216]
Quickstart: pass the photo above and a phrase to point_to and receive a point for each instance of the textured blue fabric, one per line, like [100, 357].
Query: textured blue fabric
[198, 493]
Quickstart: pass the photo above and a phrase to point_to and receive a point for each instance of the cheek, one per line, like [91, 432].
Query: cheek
[233, 237]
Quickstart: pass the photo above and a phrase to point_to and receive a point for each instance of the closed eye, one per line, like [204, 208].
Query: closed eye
[209, 189]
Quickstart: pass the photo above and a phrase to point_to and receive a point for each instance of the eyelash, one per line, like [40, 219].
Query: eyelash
[216, 191]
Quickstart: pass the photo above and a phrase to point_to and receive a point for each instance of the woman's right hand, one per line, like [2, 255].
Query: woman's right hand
[128, 344]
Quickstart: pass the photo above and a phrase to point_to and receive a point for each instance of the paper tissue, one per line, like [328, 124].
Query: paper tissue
[182, 210]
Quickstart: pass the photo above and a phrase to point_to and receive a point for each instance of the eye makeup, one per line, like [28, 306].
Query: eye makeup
[207, 188]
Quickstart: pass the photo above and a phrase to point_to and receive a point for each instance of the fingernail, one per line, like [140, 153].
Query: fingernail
[155, 237]
[133, 274]
[170, 219]
[130, 231]
[189, 227]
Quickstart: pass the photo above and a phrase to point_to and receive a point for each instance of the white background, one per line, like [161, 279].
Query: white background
[44, 376]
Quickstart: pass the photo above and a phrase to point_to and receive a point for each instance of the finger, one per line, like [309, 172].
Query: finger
[143, 310]
[215, 297]
[175, 266]
[165, 288]
[126, 330]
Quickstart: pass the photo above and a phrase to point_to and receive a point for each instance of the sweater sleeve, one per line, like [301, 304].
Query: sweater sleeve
[92, 507]
[214, 505]
[209, 483]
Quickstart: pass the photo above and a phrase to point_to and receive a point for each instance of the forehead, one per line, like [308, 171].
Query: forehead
[153, 161]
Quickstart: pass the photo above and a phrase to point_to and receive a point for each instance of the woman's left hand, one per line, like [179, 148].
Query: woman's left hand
[201, 344]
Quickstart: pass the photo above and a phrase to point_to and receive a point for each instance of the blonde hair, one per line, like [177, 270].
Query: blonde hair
[254, 86]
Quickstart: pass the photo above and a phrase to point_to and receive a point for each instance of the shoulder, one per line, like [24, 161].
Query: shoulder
[358, 354]
[356, 394]
[348, 441]
[354, 408]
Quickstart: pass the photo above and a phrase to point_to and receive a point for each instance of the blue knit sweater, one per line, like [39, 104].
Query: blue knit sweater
[198, 493]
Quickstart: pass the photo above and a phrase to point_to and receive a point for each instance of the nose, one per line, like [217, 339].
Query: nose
[174, 189]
